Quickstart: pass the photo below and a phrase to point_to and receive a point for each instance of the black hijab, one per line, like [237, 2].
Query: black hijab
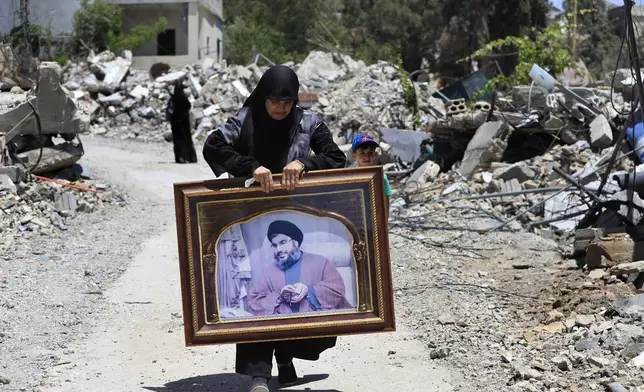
[272, 138]
[181, 103]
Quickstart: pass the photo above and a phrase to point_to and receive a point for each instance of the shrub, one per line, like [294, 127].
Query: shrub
[97, 25]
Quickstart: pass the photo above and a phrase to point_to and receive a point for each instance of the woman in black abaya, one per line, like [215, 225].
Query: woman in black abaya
[179, 113]
[271, 134]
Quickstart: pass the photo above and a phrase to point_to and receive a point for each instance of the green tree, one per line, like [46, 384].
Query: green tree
[387, 29]
[282, 30]
[546, 47]
[596, 42]
[98, 25]
[470, 24]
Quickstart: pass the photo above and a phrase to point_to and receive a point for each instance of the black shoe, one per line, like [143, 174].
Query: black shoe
[286, 374]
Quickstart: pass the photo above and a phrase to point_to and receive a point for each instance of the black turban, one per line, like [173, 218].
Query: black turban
[286, 228]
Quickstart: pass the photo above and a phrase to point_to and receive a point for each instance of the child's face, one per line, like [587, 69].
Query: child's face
[365, 156]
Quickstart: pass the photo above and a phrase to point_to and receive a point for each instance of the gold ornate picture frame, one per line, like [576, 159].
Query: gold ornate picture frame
[311, 262]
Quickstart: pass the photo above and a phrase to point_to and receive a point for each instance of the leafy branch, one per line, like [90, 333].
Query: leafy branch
[546, 47]
[409, 91]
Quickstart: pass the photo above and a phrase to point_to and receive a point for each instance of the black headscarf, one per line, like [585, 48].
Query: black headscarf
[180, 102]
[272, 138]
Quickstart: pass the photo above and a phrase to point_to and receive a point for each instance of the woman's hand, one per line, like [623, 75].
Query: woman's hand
[265, 178]
[291, 175]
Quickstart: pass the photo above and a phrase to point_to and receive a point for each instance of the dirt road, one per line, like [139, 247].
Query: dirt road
[136, 340]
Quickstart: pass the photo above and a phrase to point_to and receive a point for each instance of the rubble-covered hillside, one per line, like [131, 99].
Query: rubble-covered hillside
[124, 102]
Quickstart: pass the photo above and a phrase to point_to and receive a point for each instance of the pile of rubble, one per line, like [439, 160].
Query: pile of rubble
[44, 205]
[39, 137]
[31, 124]
[371, 100]
[530, 157]
[127, 103]
[509, 310]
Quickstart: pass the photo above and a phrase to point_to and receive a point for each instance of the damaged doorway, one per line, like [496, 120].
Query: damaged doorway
[166, 43]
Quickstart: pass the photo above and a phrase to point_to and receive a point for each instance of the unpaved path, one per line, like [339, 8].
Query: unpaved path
[136, 341]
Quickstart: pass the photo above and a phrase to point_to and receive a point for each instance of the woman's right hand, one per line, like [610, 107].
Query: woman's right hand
[265, 178]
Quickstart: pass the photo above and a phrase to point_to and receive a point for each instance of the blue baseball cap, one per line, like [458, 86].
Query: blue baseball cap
[362, 139]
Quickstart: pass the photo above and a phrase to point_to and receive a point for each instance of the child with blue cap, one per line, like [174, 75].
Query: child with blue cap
[363, 151]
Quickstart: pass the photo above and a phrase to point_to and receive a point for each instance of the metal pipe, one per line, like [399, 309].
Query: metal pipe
[576, 183]
[628, 181]
[557, 219]
[503, 194]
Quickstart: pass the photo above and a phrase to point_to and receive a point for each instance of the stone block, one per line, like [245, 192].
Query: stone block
[601, 134]
[53, 158]
[7, 184]
[424, 174]
[487, 145]
[139, 92]
[15, 173]
[171, 78]
[519, 171]
[65, 202]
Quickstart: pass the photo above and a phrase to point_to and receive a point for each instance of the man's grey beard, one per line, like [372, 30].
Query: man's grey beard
[289, 262]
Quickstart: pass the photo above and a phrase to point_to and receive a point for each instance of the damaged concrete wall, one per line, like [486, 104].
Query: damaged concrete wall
[487, 145]
[55, 107]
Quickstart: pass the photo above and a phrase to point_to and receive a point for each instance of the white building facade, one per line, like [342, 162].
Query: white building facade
[194, 29]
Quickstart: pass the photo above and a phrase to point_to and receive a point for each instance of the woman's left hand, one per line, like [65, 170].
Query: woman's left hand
[291, 175]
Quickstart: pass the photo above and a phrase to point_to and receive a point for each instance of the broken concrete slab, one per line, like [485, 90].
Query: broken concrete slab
[241, 89]
[257, 72]
[210, 110]
[7, 184]
[53, 158]
[195, 86]
[628, 268]
[196, 115]
[115, 72]
[424, 174]
[56, 108]
[65, 202]
[322, 67]
[114, 99]
[242, 72]
[15, 173]
[601, 134]
[93, 85]
[519, 171]
[140, 92]
[564, 203]
[171, 78]
[521, 95]
[632, 307]
[487, 145]
[512, 185]
[405, 144]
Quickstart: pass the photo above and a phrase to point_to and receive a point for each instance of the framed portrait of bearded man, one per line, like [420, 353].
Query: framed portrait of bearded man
[310, 262]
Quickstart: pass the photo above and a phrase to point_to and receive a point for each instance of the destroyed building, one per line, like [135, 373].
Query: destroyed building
[39, 136]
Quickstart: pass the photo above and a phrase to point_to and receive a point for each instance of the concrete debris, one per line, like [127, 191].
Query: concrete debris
[43, 206]
[601, 134]
[520, 171]
[422, 176]
[628, 268]
[487, 146]
[50, 159]
[319, 69]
